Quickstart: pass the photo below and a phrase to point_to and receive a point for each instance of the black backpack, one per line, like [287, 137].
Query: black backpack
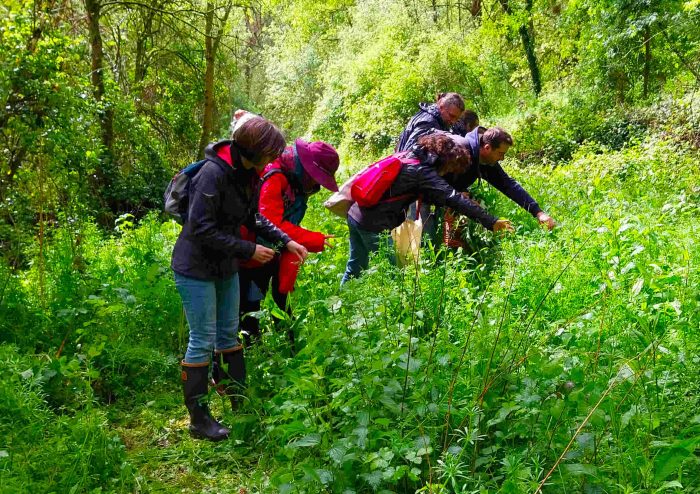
[177, 194]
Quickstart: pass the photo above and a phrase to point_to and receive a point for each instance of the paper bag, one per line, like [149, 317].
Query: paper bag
[407, 238]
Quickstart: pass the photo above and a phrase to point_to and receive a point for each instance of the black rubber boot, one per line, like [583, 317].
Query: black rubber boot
[233, 371]
[217, 374]
[195, 386]
[250, 326]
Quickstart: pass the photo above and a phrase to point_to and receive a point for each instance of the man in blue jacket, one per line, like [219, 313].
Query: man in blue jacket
[488, 147]
[440, 115]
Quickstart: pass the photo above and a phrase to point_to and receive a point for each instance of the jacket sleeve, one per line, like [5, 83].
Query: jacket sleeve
[436, 190]
[267, 230]
[271, 206]
[204, 202]
[496, 176]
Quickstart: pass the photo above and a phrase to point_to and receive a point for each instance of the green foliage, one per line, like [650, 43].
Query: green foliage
[574, 350]
[46, 452]
[383, 68]
[473, 373]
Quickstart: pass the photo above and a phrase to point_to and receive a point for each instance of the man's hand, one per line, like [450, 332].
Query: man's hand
[298, 249]
[503, 225]
[546, 220]
[263, 254]
[326, 241]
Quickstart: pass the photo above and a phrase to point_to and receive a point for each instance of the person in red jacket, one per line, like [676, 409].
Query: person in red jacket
[288, 182]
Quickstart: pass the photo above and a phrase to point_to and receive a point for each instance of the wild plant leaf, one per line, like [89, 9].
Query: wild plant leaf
[337, 454]
[310, 473]
[668, 462]
[374, 479]
[673, 484]
[307, 441]
[628, 415]
[624, 373]
[638, 285]
[579, 469]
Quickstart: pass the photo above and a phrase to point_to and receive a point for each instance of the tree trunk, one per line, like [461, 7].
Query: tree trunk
[476, 8]
[209, 59]
[140, 62]
[211, 46]
[647, 60]
[529, 46]
[93, 8]
[527, 36]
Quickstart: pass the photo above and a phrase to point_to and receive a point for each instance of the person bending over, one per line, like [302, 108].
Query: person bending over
[223, 197]
[438, 154]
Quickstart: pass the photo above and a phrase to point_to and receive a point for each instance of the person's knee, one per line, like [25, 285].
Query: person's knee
[199, 351]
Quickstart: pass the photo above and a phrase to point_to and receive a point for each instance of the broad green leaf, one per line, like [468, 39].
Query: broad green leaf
[668, 463]
[306, 441]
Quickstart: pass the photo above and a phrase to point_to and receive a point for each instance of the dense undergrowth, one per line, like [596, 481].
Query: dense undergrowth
[567, 360]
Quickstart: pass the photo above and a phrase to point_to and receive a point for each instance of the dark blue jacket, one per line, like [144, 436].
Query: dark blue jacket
[222, 198]
[427, 119]
[493, 174]
[414, 181]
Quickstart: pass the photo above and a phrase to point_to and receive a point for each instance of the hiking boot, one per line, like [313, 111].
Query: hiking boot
[195, 386]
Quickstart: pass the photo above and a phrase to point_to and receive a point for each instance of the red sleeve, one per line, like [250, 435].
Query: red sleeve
[271, 206]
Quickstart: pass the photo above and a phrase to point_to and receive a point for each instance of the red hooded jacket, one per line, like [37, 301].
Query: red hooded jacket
[276, 195]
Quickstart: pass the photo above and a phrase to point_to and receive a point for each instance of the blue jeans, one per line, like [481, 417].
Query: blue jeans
[211, 308]
[362, 244]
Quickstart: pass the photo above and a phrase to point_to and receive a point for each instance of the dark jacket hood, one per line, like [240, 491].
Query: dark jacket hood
[431, 109]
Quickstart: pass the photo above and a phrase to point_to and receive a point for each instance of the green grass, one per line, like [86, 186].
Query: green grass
[574, 351]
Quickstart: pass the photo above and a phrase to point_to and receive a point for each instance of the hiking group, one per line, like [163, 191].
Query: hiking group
[241, 209]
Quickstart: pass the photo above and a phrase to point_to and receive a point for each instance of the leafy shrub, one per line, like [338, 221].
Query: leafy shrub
[45, 452]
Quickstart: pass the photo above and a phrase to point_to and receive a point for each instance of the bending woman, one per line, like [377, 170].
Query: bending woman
[439, 154]
[288, 182]
[223, 196]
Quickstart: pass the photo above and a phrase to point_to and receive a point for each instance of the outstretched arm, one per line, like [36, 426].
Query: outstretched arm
[496, 176]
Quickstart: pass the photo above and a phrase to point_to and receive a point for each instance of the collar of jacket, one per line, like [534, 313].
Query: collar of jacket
[433, 110]
[222, 153]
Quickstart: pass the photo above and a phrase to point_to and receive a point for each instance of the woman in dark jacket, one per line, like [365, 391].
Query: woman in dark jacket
[439, 154]
[223, 196]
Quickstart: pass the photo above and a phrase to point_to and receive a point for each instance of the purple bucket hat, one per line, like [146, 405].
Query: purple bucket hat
[320, 160]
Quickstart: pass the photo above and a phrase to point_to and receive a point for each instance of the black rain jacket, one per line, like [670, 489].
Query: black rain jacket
[222, 198]
[427, 119]
[414, 181]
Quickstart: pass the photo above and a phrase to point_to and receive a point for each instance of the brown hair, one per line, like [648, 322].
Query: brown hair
[450, 99]
[258, 139]
[451, 156]
[469, 120]
[495, 136]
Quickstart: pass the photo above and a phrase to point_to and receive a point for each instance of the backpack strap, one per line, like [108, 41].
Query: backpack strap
[291, 178]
